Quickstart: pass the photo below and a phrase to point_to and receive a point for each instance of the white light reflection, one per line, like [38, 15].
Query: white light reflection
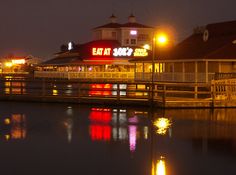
[69, 127]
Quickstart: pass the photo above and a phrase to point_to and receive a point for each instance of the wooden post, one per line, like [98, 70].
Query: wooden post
[43, 87]
[183, 72]
[79, 90]
[10, 86]
[213, 93]
[206, 71]
[195, 90]
[118, 92]
[164, 96]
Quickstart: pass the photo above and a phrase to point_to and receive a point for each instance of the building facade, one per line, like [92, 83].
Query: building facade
[105, 57]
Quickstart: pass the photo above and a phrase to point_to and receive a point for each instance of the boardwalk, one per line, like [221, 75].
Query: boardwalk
[168, 95]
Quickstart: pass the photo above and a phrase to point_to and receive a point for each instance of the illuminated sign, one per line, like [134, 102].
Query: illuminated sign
[18, 61]
[140, 52]
[101, 51]
[122, 51]
[119, 52]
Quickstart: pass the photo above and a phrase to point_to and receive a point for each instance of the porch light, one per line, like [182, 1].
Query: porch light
[147, 46]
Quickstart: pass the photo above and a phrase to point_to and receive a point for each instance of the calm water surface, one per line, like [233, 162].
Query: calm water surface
[63, 139]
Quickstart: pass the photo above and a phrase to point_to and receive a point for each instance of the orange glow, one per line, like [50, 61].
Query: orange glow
[159, 168]
[7, 136]
[8, 64]
[18, 130]
[162, 39]
[7, 121]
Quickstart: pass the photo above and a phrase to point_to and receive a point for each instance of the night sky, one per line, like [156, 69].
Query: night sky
[39, 27]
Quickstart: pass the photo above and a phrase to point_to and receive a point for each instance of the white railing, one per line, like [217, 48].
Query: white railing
[224, 89]
[85, 75]
[175, 77]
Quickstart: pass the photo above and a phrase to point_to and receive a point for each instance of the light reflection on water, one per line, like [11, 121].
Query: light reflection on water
[127, 140]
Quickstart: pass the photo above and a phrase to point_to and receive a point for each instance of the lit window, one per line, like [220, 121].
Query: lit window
[133, 32]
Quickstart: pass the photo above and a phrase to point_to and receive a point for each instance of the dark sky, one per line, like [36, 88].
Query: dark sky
[39, 27]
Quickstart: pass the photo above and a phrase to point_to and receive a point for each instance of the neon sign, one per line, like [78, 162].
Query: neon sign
[122, 51]
[101, 51]
[119, 52]
[139, 52]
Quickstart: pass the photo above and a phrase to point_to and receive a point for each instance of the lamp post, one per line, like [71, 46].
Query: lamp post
[161, 39]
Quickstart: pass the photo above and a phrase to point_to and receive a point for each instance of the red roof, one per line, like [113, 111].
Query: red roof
[218, 45]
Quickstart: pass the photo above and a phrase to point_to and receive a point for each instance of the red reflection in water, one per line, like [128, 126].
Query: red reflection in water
[101, 115]
[100, 132]
[100, 128]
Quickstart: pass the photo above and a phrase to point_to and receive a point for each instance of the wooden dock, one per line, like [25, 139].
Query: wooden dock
[163, 95]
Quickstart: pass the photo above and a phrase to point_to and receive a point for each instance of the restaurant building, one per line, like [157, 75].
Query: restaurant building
[209, 53]
[105, 57]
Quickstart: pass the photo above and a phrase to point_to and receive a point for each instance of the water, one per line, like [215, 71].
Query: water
[49, 138]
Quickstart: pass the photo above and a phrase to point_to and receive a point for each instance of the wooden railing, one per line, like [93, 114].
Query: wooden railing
[85, 75]
[175, 77]
[221, 76]
[144, 93]
[224, 90]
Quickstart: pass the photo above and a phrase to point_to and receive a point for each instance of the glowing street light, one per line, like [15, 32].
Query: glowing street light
[160, 39]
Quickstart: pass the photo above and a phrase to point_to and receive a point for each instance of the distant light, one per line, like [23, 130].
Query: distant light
[133, 32]
[7, 121]
[147, 46]
[7, 137]
[8, 64]
[70, 46]
[18, 61]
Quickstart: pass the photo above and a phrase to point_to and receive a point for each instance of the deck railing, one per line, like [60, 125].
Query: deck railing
[224, 89]
[175, 77]
[85, 75]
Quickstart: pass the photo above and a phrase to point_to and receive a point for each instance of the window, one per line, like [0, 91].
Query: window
[143, 37]
[133, 41]
[126, 41]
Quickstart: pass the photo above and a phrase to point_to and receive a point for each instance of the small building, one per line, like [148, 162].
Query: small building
[14, 64]
[208, 52]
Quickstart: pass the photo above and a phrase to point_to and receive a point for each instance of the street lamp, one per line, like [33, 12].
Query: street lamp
[160, 39]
